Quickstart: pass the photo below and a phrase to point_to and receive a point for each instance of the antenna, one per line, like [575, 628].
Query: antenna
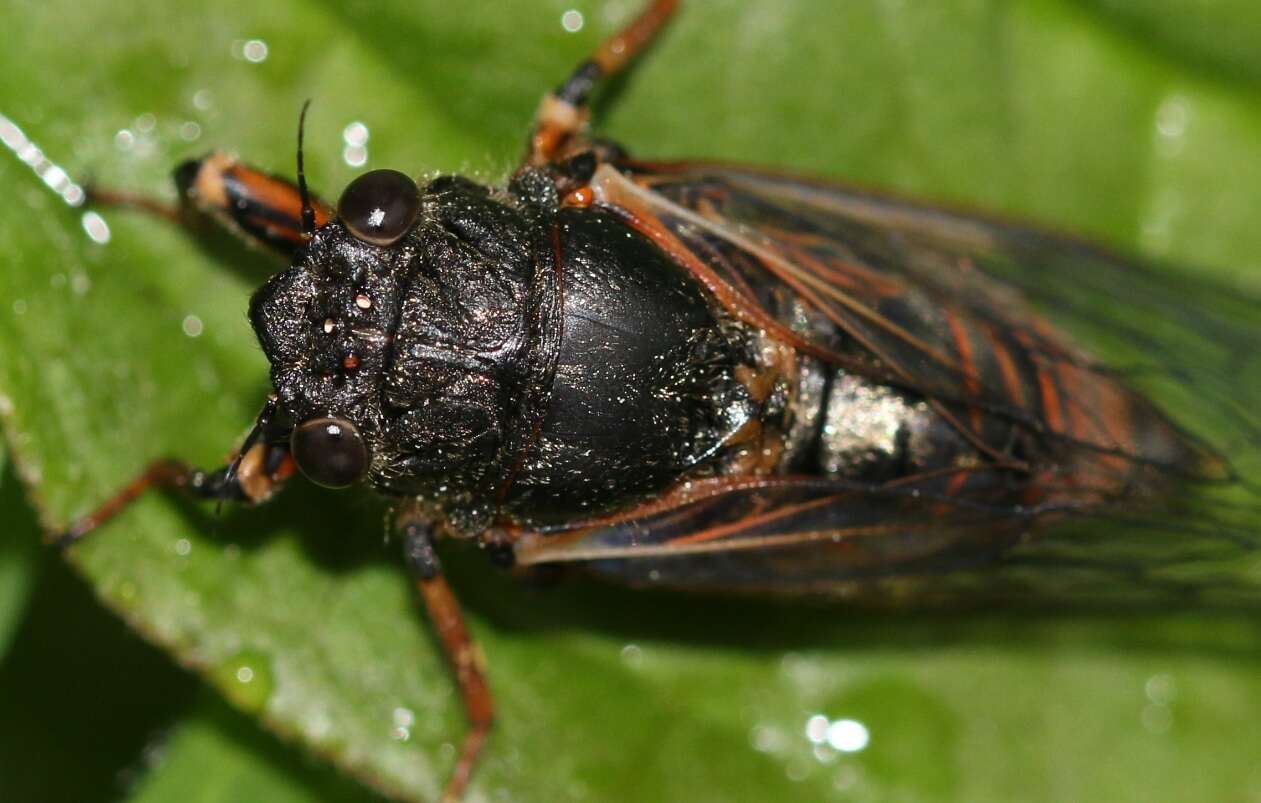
[308, 212]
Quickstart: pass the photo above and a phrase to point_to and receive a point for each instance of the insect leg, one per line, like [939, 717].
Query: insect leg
[462, 654]
[262, 209]
[564, 112]
[253, 479]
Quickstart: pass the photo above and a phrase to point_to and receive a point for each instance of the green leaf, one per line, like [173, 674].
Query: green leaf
[1139, 134]
[19, 552]
[80, 691]
[245, 765]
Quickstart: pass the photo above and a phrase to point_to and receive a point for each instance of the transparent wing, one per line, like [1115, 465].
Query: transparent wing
[984, 319]
[976, 314]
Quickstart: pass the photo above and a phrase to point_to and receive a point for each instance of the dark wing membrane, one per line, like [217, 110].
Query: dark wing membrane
[911, 287]
[754, 533]
[970, 313]
[909, 543]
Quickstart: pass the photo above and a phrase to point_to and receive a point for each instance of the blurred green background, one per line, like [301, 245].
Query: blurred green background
[1138, 123]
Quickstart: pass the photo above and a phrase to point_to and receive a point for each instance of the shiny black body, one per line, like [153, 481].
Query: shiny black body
[508, 358]
[709, 375]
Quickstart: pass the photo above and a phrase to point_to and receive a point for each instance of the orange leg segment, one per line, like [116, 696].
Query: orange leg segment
[253, 479]
[262, 209]
[462, 654]
[564, 113]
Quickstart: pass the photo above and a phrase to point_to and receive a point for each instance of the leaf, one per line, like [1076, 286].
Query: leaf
[19, 551]
[113, 355]
[80, 690]
[247, 765]
[1214, 39]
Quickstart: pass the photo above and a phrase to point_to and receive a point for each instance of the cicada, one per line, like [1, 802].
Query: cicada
[715, 377]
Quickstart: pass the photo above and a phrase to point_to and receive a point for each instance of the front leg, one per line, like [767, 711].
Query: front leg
[254, 475]
[253, 480]
[262, 209]
[462, 654]
[267, 211]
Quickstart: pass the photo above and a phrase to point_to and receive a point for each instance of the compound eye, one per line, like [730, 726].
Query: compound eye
[380, 206]
[330, 452]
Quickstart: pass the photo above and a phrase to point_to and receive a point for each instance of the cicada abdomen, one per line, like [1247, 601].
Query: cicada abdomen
[934, 423]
